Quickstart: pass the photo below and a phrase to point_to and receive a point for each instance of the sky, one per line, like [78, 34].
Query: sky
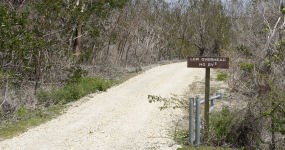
[169, 1]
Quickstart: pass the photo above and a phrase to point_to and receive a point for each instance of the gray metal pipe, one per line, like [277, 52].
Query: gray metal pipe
[191, 121]
[198, 122]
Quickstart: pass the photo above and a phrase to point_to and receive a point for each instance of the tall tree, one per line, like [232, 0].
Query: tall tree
[210, 27]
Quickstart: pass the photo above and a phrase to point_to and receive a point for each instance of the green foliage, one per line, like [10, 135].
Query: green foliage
[74, 12]
[117, 3]
[221, 123]
[173, 102]
[282, 9]
[181, 136]
[244, 50]
[4, 75]
[222, 76]
[44, 97]
[248, 67]
[95, 32]
[267, 27]
[74, 91]
[114, 36]
[75, 74]
[279, 55]
[267, 62]
[32, 37]
[18, 45]
[28, 119]
[21, 112]
[45, 7]
[275, 108]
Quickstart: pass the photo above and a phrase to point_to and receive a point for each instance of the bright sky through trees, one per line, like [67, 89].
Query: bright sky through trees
[170, 1]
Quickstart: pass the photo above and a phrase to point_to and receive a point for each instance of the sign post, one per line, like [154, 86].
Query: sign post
[207, 101]
[207, 63]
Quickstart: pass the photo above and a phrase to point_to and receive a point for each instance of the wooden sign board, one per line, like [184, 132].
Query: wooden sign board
[208, 62]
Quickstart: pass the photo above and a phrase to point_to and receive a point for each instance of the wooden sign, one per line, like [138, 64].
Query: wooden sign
[208, 62]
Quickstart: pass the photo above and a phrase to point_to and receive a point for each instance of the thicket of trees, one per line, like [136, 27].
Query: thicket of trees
[258, 69]
[44, 42]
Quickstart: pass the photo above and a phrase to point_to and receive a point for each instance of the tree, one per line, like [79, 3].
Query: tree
[18, 45]
[259, 63]
[210, 27]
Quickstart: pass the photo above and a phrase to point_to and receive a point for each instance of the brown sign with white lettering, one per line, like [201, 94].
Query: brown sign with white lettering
[208, 62]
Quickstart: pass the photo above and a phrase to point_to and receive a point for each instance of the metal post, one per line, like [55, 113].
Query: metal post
[191, 121]
[220, 94]
[198, 122]
[212, 102]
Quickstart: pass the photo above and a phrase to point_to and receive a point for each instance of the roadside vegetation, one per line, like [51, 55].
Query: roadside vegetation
[53, 103]
[51, 52]
[222, 76]
[221, 121]
[220, 133]
[50, 104]
[26, 118]
[229, 124]
[73, 91]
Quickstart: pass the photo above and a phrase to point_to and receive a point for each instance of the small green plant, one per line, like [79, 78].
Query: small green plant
[248, 67]
[267, 27]
[174, 102]
[22, 112]
[222, 76]
[3, 75]
[181, 136]
[44, 97]
[282, 8]
[220, 129]
[75, 74]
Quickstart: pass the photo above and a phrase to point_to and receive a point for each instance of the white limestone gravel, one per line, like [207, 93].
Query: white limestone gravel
[119, 119]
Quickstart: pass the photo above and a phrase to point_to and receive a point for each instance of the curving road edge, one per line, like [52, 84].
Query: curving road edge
[120, 118]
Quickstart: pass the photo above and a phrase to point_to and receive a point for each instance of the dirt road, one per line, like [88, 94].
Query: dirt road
[119, 119]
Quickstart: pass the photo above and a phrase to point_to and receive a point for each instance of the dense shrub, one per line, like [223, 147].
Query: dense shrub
[236, 129]
[220, 126]
[248, 67]
[21, 112]
[74, 91]
[222, 76]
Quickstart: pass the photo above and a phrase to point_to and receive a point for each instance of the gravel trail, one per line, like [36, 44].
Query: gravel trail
[119, 119]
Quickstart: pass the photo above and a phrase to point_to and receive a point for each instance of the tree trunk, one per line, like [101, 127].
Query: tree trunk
[38, 61]
[273, 138]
